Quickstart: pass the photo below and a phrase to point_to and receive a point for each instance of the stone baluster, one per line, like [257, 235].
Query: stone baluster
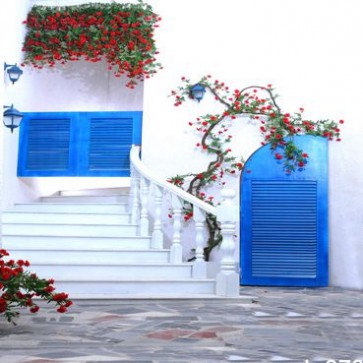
[144, 198]
[199, 265]
[157, 239]
[135, 197]
[176, 250]
[227, 277]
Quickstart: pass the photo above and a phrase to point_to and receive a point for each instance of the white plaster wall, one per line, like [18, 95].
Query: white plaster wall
[13, 188]
[310, 50]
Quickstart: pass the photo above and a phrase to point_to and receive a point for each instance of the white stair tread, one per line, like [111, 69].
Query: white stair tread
[61, 212]
[137, 280]
[87, 249]
[116, 264]
[156, 296]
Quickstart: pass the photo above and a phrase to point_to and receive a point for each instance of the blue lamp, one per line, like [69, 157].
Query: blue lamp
[197, 92]
[14, 72]
[12, 117]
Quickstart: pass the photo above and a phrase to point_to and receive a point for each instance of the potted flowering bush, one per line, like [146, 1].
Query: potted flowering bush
[21, 288]
[121, 33]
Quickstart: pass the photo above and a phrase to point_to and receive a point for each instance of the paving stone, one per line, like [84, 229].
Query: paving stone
[290, 323]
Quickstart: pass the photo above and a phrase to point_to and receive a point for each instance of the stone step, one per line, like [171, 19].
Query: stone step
[85, 271]
[146, 289]
[86, 199]
[69, 230]
[32, 217]
[74, 243]
[90, 256]
[95, 192]
[72, 208]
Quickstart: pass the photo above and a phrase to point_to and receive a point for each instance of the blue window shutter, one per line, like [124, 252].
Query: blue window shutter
[108, 146]
[284, 219]
[45, 147]
[78, 143]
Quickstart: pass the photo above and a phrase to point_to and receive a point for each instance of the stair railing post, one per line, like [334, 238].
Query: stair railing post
[135, 196]
[199, 265]
[227, 283]
[176, 250]
[144, 197]
[157, 238]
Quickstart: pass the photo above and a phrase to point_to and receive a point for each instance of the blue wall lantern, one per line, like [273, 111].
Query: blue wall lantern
[14, 72]
[12, 117]
[197, 92]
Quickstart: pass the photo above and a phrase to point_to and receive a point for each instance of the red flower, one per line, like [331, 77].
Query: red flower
[62, 309]
[60, 297]
[341, 121]
[278, 156]
[34, 309]
[3, 305]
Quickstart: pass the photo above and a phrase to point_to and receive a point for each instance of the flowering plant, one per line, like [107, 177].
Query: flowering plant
[276, 126]
[18, 288]
[120, 33]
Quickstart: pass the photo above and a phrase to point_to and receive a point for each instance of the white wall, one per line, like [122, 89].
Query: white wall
[12, 36]
[310, 50]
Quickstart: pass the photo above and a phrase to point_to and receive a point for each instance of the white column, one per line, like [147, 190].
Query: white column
[176, 250]
[144, 197]
[199, 265]
[157, 240]
[227, 215]
[135, 196]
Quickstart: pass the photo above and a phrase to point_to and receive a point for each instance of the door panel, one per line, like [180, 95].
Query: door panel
[284, 222]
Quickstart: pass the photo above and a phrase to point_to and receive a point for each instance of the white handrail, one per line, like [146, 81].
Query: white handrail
[143, 170]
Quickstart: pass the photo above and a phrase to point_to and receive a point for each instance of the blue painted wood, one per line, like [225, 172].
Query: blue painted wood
[284, 219]
[78, 143]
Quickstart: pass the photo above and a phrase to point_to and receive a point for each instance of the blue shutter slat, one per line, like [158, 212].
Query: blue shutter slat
[110, 143]
[275, 220]
[48, 142]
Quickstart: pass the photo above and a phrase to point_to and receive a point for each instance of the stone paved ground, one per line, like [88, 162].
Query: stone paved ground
[278, 325]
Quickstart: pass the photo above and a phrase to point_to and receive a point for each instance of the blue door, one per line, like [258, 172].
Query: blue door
[77, 143]
[284, 219]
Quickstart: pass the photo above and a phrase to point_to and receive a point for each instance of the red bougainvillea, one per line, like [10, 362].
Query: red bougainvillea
[122, 34]
[20, 288]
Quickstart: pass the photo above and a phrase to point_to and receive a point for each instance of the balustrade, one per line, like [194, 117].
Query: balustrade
[147, 194]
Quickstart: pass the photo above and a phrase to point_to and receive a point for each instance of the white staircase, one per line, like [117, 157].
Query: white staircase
[87, 244]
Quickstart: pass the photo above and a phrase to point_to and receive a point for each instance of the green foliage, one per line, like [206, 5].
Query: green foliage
[121, 33]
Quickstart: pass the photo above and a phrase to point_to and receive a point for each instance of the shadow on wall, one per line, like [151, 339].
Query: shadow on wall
[80, 86]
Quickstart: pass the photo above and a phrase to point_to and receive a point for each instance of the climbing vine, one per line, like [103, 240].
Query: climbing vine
[277, 128]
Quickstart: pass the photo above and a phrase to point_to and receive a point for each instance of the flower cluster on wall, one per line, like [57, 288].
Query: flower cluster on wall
[120, 33]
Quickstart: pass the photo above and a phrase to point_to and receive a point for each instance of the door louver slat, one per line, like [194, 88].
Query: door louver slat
[284, 228]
